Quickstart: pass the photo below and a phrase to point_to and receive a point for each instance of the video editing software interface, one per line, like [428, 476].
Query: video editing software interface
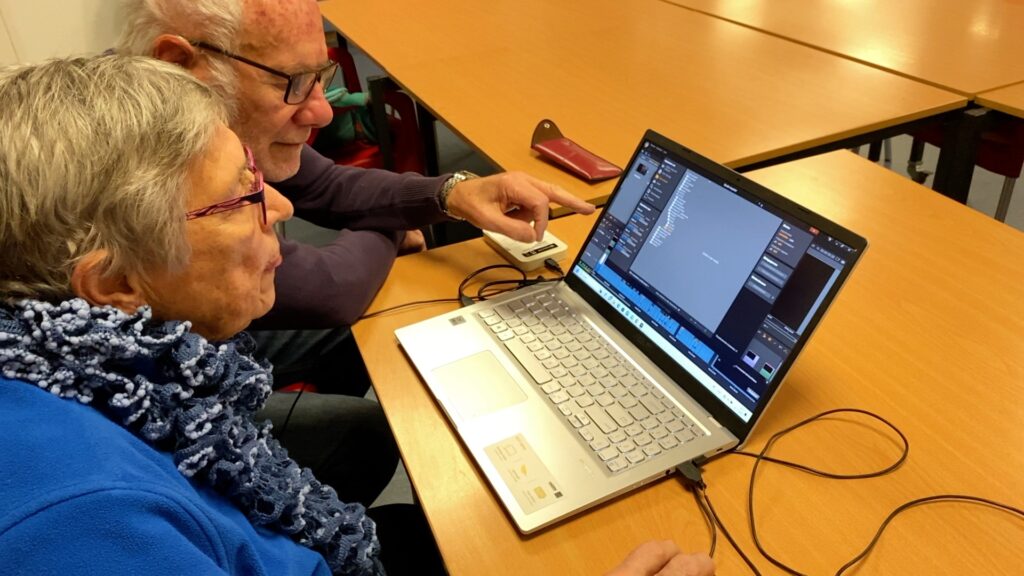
[721, 282]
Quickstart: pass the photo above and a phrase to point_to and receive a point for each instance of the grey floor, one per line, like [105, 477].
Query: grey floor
[455, 154]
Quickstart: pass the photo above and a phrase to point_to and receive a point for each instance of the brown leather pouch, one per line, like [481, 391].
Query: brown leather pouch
[552, 146]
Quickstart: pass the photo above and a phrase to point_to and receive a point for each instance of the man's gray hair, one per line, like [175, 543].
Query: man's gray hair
[217, 22]
[96, 156]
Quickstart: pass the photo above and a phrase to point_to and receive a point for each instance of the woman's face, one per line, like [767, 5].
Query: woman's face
[229, 280]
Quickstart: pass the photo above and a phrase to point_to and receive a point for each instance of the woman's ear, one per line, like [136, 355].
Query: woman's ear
[90, 281]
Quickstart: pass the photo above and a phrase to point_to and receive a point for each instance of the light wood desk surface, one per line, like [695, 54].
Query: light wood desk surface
[606, 70]
[1009, 100]
[960, 45]
[928, 332]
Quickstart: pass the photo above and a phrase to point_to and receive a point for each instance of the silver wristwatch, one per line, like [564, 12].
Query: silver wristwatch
[446, 189]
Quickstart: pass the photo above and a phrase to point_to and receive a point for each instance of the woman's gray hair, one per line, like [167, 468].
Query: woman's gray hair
[217, 22]
[96, 156]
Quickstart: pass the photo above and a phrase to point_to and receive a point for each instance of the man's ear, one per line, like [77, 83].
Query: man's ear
[176, 50]
[90, 282]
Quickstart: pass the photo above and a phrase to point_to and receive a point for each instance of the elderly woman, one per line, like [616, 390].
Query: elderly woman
[136, 240]
[135, 230]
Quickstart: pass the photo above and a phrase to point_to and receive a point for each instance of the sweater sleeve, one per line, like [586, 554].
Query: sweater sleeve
[329, 286]
[131, 531]
[346, 197]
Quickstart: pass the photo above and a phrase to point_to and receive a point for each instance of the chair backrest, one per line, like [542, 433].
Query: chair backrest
[400, 148]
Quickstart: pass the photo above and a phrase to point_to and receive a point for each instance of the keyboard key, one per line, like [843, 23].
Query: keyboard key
[649, 423]
[601, 419]
[659, 433]
[643, 439]
[585, 401]
[551, 387]
[674, 426]
[685, 436]
[625, 446]
[605, 399]
[635, 457]
[617, 464]
[608, 453]
[559, 397]
[651, 403]
[652, 450]
[668, 442]
[588, 433]
[526, 359]
[666, 417]
[619, 415]
[575, 390]
[628, 402]
[634, 429]
[617, 436]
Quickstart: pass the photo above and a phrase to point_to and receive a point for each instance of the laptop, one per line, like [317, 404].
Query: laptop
[665, 342]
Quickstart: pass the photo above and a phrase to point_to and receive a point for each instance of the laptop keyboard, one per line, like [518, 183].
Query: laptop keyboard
[618, 413]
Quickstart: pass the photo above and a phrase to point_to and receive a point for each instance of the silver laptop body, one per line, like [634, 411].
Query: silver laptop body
[669, 336]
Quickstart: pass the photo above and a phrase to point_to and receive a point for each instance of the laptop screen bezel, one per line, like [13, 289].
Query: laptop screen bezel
[718, 410]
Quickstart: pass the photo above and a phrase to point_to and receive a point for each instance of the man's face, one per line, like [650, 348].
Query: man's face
[286, 35]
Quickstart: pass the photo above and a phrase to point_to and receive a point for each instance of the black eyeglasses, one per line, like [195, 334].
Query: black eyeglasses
[300, 84]
[255, 196]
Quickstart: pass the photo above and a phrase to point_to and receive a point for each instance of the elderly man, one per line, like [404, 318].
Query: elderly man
[268, 59]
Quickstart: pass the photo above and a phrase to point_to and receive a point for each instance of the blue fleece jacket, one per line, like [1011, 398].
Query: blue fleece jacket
[81, 495]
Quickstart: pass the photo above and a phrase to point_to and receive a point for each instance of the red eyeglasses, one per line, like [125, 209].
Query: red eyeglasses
[255, 196]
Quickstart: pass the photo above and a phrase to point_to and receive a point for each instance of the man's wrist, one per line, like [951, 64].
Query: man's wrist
[446, 190]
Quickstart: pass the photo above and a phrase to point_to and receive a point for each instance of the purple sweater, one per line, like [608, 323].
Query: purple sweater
[332, 285]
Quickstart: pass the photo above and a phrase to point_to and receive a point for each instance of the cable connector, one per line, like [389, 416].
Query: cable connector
[552, 265]
[692, 476]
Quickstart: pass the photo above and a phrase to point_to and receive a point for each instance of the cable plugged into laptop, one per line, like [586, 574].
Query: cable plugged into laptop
[692, 478]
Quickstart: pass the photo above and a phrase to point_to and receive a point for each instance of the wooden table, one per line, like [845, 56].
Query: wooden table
[1009, 100]
[964, 46]
[928, 332]
[606, 70]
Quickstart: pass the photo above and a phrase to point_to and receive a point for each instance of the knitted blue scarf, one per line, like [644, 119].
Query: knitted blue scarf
[183, 394]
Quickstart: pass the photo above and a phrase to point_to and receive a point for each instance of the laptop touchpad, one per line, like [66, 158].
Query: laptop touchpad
[478, 385]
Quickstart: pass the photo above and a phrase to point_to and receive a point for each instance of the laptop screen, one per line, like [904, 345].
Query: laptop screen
[713, 270]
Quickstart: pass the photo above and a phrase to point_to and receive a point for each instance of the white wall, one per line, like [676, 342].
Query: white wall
[40, 29]
[7, 55]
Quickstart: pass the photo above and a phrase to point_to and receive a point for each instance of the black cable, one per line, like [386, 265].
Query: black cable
[922, 502]
[763, 457]
[694, 481]
[712, 526]
[284, 425]
[406, 305]
[775, 437]
[728, 536]
[467, 300]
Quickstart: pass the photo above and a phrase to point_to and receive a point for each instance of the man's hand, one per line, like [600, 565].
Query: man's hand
[663, 558]
[508, 202]
[412, 243]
